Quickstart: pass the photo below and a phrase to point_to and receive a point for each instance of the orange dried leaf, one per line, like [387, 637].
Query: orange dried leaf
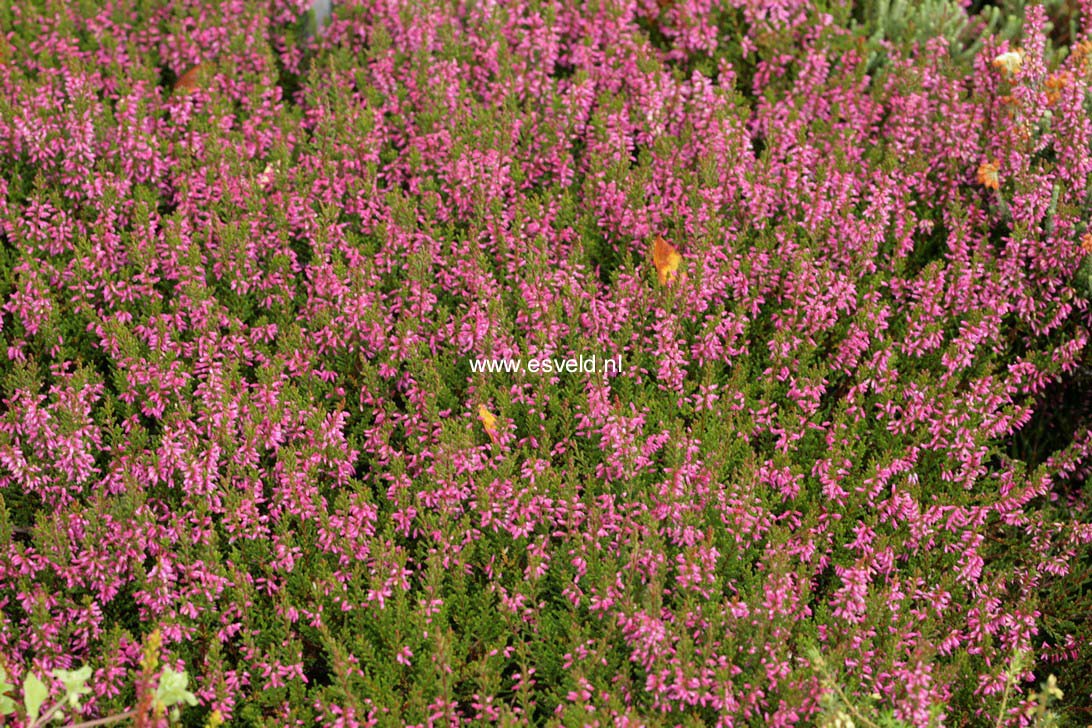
[1082, 51]
[188, 80]
[988, 175]
[1086, 242]
[666, 259]
[1056, 84]
[489, 421]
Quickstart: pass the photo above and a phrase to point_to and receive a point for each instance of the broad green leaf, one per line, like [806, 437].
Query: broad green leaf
[172, 688]
[7, 705]
[35, 693]
[75, 683]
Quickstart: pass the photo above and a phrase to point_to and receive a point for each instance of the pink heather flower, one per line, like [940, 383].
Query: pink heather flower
[849, 601]
[240, 318]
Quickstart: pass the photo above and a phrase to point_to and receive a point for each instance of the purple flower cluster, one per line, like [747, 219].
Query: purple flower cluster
[244, 275]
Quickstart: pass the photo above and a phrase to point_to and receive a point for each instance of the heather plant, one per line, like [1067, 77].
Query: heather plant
[153, 704]
[248, 258]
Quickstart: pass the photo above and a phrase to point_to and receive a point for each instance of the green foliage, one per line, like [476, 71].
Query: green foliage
[171, 690]
[1082, 279]
[168, 694]
[914, 22]
[75, 684]
[35, 693]
[7, 704]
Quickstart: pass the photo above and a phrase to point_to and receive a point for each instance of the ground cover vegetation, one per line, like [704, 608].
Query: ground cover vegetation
[247, 476]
